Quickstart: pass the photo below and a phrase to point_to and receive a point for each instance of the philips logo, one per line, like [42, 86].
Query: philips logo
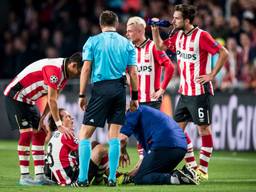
[186, 55]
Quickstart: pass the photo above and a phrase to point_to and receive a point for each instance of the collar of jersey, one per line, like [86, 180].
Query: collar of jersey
[143, 43]
[191, 31]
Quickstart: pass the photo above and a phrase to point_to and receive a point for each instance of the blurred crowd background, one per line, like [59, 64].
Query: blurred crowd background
[35, 29]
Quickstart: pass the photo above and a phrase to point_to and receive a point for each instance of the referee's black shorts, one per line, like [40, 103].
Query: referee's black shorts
[107, 102]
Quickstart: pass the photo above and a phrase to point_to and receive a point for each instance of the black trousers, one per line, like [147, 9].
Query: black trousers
[158, 164]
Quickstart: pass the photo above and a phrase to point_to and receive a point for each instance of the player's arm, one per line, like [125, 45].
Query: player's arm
[162, 59]
[52, 102]
[84, 80]
[157, 38]
[124, 157]
[72, 143]
[41, 121]
[223, 56]
[212, 46]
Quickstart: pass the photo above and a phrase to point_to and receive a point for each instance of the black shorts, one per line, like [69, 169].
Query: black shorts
[193, 109]
[154, 104]
[107, 102]
[21, 115]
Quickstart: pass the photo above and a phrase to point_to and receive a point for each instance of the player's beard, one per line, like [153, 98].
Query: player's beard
[182, 27]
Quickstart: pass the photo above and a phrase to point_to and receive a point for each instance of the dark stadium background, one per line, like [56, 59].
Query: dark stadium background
[34, 29]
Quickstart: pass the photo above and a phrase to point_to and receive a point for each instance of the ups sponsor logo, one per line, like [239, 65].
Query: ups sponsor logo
[144, 68]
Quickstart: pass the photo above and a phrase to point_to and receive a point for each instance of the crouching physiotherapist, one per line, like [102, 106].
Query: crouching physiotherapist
[165, 146]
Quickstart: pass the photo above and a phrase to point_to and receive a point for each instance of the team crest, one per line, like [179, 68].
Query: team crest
[24, 122]
[53, 79]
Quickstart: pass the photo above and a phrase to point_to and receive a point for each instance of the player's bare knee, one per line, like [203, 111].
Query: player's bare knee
[100, 150]
[204, 130]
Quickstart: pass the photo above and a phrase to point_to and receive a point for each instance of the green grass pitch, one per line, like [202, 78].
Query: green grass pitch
[229, 172]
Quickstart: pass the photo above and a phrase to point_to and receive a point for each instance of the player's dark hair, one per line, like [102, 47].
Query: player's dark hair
[77, 58]
[108, 18]
[51, 122]
[188, 11]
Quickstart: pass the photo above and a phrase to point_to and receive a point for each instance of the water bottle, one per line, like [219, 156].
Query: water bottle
[160, 23]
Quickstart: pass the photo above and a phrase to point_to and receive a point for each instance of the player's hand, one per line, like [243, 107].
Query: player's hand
[134, 104]
[82, 102]
[153, 27]
[68, 133]
[124, 160]
[158, 94]
[134, 171]
[41, 125]
[202, 79]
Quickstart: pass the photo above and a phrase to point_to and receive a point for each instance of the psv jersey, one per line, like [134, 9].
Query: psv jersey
[194, 52]
[32, 83]
[150, 62]
[59, 156]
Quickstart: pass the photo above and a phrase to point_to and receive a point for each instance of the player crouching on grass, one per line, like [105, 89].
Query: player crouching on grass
[165, 146]
[62, 162]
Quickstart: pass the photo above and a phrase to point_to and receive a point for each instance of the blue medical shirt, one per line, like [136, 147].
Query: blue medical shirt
[153, 129]
[110, 54]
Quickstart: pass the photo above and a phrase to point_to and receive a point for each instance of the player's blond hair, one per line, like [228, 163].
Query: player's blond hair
[136, 21]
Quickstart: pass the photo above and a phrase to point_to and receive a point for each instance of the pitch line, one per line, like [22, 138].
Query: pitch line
[234, 159]
[232, 180]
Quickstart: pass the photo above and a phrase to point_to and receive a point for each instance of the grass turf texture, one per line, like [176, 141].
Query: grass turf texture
[229, 172]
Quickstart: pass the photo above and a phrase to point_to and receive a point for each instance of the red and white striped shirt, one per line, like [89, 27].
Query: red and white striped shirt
[194, 52]
[32, 82]
[59, 156]
[150, 62]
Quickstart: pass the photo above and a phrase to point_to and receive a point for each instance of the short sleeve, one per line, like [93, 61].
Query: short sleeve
[159, 56]
[52, 76]
[208, 43]
[170, 43]
[87, 54]
[71, 143]
[132, 54]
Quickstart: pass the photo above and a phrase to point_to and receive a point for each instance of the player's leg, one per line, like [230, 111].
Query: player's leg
[190, 156]
[99, 158]
[24, 156]
[201, 117]
[205, 151]
[182, 116]
[17, 115]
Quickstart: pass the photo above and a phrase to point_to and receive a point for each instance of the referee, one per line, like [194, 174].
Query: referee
[106, 57]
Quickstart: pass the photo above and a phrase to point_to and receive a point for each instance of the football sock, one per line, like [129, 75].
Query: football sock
[103, 166]
[38, 151]
[24, 151]
[140, 150]
[84, 152]
[114, 155]
[190, 157]
[205, 152]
